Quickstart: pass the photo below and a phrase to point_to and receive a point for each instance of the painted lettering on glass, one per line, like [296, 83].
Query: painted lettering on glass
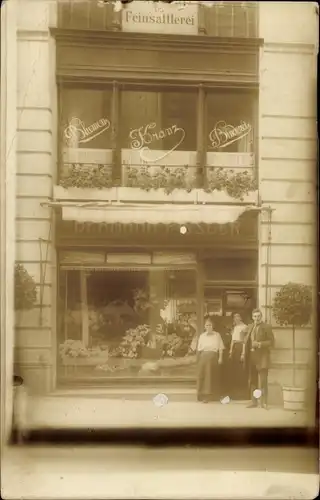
[77, 132]
[223, 134]
[143, 136]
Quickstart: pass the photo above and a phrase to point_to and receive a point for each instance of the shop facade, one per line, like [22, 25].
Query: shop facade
[148, 161]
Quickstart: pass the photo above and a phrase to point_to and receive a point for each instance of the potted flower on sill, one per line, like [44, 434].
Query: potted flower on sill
[292, 306]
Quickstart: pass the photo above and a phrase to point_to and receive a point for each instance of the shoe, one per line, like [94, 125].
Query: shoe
[252, 405]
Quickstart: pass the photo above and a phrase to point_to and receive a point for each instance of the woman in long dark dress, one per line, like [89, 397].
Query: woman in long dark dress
[210, 354]
[238, 383]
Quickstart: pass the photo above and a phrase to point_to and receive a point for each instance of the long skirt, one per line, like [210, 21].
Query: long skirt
[238, 376]
[208, 382]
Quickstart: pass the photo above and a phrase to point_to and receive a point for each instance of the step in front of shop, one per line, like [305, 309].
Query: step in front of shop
[177, 394]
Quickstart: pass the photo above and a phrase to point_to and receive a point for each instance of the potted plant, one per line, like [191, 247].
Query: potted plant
[292, 306]
[25, 290]
[25, 296]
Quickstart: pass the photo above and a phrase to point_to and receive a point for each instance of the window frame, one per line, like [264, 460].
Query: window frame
[202, 91]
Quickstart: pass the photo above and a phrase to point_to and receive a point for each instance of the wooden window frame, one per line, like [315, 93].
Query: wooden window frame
[117, 86]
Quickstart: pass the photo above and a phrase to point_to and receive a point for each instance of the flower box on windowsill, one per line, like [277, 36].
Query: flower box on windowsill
[125, 194]
[101, 358]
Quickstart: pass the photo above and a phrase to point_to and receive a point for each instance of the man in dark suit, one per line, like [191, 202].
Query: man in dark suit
[258, 342]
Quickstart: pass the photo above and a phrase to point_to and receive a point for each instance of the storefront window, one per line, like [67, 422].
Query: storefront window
[125, 322]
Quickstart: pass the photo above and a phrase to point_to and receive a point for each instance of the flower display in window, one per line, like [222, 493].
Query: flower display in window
[235, 184]
[168, 178]
[88, 175]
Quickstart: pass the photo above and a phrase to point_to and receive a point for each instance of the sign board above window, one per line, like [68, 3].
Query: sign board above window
[158, 17]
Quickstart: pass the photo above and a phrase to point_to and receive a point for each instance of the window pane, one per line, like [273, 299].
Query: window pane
[159, 139]
[231, 270]
[158, 120]
[86, 118]
[85, 121]
[230, 122]
[128, 322]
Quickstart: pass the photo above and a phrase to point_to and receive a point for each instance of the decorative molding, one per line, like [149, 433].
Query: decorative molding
[285, 202]
[276, 287]
[293, 181]
[41, 306]
[24, 35]
[288, 265]
[289, 48]
[34, 108]
[32, 174]
[32, 197]
[94, 75]
[33, 347]
[47, 364]
[282, 138]
[289, 117]
[285, 158]
[35, 130]
[36, 240]
[287, 223]
[290, 245]
[34, 152]
[36, 328]
[153, 41]
[33, 219]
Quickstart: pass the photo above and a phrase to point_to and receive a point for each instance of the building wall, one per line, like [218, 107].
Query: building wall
[7, 211]
[287, 166]
[35, 175]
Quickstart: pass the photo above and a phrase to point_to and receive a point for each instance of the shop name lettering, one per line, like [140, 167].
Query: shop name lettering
[142, 137]
[223, 135]
[125, 229]
[78, 132]
[158, 19]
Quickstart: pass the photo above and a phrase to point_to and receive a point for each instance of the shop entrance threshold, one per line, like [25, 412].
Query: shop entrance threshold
[142, 388]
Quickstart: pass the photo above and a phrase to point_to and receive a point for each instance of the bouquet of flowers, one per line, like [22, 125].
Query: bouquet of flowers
[73, 349]
[173, 345]
[133, 341]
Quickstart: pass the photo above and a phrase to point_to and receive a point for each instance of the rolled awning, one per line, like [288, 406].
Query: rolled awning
[165, 214]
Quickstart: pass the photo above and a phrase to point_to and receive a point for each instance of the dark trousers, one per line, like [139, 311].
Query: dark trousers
[259, 380]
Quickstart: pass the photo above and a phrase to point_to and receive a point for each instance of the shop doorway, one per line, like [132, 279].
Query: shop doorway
[222, 305]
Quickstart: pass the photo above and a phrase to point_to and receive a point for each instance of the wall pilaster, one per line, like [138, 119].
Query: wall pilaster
[287, 167]
[35, 176]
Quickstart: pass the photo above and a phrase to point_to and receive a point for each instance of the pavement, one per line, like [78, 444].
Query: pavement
[87, 471]
[137, 472]
[104, 409]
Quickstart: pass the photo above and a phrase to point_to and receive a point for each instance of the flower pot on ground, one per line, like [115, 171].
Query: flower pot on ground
[292, 306]
[25, 297]
[25, 290]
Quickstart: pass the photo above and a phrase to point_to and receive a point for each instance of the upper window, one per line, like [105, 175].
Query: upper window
[229, 122]
[158, 120]
[86, 118]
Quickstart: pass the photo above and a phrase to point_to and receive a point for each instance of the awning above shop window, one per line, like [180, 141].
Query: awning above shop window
[170, 214]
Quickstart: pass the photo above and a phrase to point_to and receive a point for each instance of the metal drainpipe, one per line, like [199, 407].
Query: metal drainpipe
[267, 275]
